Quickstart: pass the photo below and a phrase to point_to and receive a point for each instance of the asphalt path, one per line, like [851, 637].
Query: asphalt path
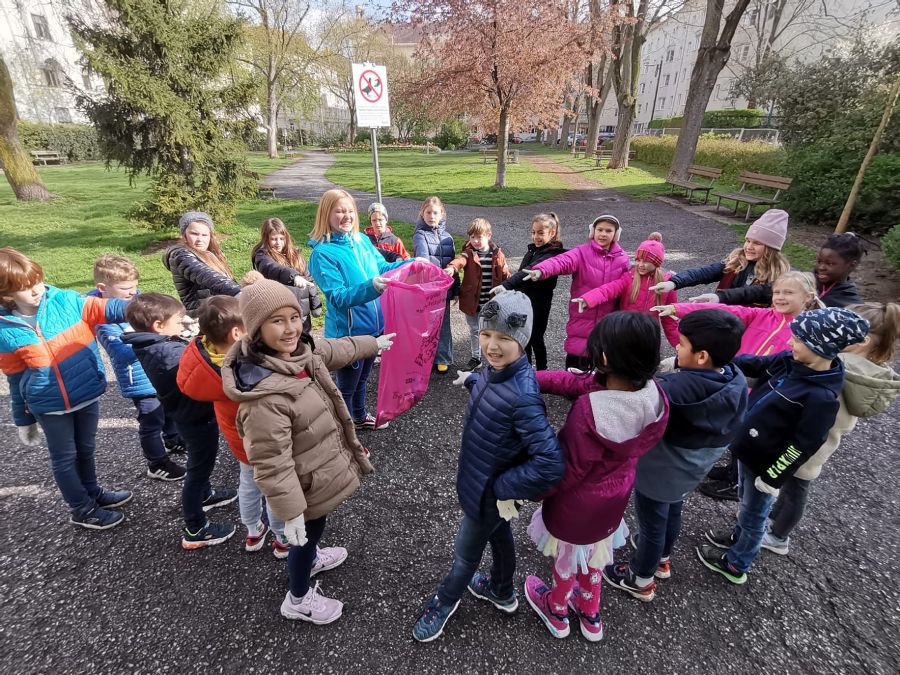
[130, 600]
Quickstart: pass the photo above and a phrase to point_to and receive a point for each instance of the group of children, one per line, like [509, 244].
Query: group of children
[255, 374]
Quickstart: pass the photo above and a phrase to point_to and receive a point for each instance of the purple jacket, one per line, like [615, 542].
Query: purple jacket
[590, 266]
[588, 504]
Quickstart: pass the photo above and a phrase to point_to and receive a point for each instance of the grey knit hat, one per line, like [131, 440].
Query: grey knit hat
[378, 207]
[509, 313]
[195, 217]
[260, 299]
[827, 332]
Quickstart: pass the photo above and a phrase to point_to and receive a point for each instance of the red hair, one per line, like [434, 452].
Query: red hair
[17, 273]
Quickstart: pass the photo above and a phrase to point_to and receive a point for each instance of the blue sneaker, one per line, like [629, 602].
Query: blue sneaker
[210, 534]
[110, 498]
[431, 624]
[480, 587]
[97, 519]
[219, 497]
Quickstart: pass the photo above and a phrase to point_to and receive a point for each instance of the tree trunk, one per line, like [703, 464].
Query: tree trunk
[271, 120]
[622, 141]
[502, 145]
[567, 123]
[20, 172]
[595, 111]
[576, 113]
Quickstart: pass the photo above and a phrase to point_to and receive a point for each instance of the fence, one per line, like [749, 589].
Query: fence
[764, 135]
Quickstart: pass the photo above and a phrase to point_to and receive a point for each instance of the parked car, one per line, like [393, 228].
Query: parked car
[515, 138]
[577, 138]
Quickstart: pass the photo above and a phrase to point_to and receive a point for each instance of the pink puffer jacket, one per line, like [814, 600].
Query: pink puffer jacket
[767, 330]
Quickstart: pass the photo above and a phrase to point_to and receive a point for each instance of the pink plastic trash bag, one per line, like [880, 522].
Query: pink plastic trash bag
[413, 306]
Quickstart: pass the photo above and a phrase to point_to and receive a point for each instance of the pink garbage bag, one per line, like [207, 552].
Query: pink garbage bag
[413, 305]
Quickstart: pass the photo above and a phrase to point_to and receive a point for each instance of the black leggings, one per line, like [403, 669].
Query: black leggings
[302, 558]
[536, 347]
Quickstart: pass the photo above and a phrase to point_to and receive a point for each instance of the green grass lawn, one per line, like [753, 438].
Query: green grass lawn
[457, 178]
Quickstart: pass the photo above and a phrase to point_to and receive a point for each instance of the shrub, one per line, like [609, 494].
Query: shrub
[890, 244]
[76, 142]
[385, 136]
[732, 119]
[257, 141]
[667, 122]
[729, 155]
[452, 135]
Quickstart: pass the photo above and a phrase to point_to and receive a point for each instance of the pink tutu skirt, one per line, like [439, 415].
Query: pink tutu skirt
[571, 558]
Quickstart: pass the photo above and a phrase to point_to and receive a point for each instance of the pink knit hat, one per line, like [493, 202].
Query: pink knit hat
[770, 229]
[652, 250]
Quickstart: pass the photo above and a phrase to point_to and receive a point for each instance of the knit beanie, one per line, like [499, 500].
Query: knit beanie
[511, 314]
[652, 250]
[260, 300]
[770, 228]
[608, 219]
[195, 217]
[829, 331]
[378, 207]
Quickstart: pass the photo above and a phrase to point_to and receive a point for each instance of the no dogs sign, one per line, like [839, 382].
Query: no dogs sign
[371, 95]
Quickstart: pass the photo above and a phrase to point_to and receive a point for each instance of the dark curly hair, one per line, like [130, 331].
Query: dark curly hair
[848, 245]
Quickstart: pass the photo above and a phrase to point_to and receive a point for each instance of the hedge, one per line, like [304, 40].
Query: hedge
[748, 118]
[726, 154]
[890, 244]
[74, 141]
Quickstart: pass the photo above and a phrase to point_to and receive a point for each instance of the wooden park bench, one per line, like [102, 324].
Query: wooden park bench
[512, 156]
[45, 157]
[265, 191]
[776, 183]
[691, 185]
[602, 154]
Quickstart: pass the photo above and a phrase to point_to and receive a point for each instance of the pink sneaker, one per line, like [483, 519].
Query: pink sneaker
[537, 594]
[327, 559]
[591, 626]
[312, 607]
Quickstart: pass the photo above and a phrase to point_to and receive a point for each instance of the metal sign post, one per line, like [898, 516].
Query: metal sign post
[370, 89]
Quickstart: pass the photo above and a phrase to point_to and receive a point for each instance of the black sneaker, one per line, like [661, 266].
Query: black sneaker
[219, 497]
[721, 538]
[724, 490]
[110, 498]
[166, 470]
[719, 473]
[208, 535]
[97, 519]
[480, 587]
[175, 446]
[473, 364]
[714, 559]
[620, 576]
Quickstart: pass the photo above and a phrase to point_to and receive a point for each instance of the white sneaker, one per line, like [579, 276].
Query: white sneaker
[772, 543]
[327, 559]
[312, 607]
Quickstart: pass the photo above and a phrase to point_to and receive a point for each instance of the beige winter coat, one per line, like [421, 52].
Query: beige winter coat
[297, 431]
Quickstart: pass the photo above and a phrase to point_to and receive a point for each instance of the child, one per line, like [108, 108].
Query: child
[632, 288]
[276, 258]
[484, 267]
[297, 431]
[792, 406]
[618, 414]
[56, 378]
[432, 242]
[199, 376]
[381, 234]
[746, 275]
[508, 452]
[870, 385]
[544, 244]
[156, 319]
[594, 263]
[707, 399]
[198, 267]
[117, 277]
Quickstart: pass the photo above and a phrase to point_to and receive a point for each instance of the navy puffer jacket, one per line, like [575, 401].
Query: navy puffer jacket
[436, 244]
[194, 279]
[509, 450]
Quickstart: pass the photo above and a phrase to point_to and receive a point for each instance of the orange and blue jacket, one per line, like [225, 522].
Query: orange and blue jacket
[55, 366]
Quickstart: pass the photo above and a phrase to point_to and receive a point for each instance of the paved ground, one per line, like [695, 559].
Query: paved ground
[131, 601]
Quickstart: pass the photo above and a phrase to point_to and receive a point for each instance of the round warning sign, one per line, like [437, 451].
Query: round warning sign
[370, 86]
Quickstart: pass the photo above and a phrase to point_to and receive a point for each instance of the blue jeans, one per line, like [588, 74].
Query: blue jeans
[71, 440]
[751, 523]
[444, 354]
[202, 441]
[659, 524]
[153, 426]
[351, 380]
[472, 322]
[251, 501]
[302, 558]
[473, 536]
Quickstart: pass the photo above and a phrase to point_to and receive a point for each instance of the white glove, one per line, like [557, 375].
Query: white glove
[497, 290]
[29, 435]
[533, 275]
[300, 282]
[461, 377]
[508, 508]
[663, 287]
[576, 371]
[385, 341]
[705, 297]
[664, 310]
[762, 486]
[380, 283]
[581, 302]
[448, 271]
[667, 365]
[295, 531]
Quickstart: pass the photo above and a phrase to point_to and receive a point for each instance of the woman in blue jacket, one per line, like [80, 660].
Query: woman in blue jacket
[346, 267]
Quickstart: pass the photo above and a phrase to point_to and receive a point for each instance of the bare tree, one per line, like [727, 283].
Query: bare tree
[600, 75]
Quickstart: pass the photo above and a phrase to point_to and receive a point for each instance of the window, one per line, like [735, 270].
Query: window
[51, 77]
[743, 51]
[666, 82]
[86, 79]
[752, 15]
[717, 90]
[670, 55]
[676, 77]
[41, 27]
[62, 115]
[662, 103]
[642, 87]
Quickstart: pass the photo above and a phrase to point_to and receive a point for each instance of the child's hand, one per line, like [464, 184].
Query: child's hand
[705, 297]
[497, 290]
[300, 282]
[582, 304]
[509, 508]
[533, 275]
[29, 435]
[295, 531]
[664, 310]
[461, 377]
[576, 371]
[380, 283]
[663, 287]
[448, 271]
[764, 487]
[385, 341]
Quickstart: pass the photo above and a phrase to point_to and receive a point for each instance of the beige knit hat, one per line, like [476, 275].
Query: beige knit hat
[259, 300]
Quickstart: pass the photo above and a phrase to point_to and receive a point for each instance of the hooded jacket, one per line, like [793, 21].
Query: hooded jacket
[296, 428]
[55, 366]
[194, 279]
[842, 294]
[539, 292]
[869, 389]
[343, 267]
[604, 435]
[469, 262]
[436, 244]
[388, 241]
[509, 450]
[706, 407]
[620, 291]
[590, 265]
[307, 296]
[791, 410]
[766, 331]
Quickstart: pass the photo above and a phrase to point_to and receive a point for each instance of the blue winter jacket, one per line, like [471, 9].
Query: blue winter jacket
[343, 267]
[706, 408]
[132, 380]
[55, 366]
[436, 244]
[509, 450]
